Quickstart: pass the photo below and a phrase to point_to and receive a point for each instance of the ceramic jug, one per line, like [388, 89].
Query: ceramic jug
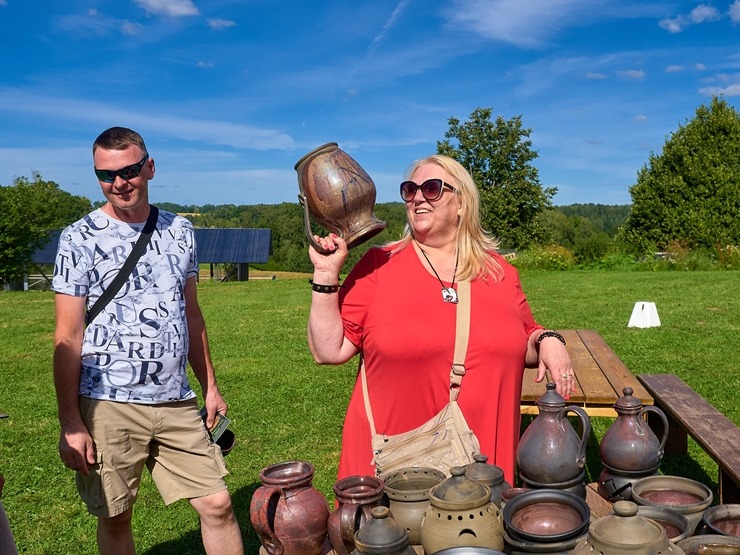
[339, 194]
[550, 451]
[289, 515]
[629, 443]
[356, 496]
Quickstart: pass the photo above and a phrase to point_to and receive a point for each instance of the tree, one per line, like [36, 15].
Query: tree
[499, 156]
[690, 194]
[29, 210]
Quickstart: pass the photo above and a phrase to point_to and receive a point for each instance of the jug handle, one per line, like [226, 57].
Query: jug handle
[586, 422]
[663, 419]
[307, 222]
[262, 516]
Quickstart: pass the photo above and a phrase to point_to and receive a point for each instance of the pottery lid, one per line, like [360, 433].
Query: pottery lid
[626, 531]
[628, 401]
[458, 492]
[381, 534]
[551, 398]
[480, 470]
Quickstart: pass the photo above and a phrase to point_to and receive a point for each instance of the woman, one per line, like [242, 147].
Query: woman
[397, 306]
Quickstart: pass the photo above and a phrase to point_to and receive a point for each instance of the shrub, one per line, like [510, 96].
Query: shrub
[552, 257]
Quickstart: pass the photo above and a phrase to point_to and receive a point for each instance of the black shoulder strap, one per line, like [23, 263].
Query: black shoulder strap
[127, 267]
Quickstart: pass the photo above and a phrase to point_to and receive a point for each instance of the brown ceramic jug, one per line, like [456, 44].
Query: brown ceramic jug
[550, 450]
[356, 496]
[339, 194]
[289, 515]
[629, 443]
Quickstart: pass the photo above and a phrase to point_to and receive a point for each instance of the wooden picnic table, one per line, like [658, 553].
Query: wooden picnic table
[600, 377]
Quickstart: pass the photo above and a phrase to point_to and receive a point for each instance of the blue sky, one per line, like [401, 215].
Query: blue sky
[229, 94]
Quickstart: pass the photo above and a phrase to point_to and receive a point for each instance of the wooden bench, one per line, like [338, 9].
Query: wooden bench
[689, 414]
[600, 377]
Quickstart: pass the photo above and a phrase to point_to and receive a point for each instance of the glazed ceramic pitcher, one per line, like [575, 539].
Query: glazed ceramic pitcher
[550, 451]
[339, 194]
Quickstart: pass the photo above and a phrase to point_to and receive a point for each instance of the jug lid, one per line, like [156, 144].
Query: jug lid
[458, 492]
[551, 398]
[480, 470]
[628, 401]
[624, 530]
[381, 534]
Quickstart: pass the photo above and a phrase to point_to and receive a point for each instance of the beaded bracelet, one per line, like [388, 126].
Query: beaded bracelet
[550, 333]
[320, 288]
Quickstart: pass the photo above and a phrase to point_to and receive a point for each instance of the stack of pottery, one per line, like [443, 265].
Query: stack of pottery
[461, 514]
[550, 453]
[629, 449]
[289, 515]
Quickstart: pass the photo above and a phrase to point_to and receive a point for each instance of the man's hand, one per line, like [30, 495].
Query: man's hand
[76, 449]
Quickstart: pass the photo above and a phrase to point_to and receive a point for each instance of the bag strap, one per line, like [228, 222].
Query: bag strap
[127, 267]
[462, 335]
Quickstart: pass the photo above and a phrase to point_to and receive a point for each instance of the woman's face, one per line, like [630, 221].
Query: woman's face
[433, 222]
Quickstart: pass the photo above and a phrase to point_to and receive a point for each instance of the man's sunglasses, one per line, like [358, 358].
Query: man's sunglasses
[129, 172]
[431, 189]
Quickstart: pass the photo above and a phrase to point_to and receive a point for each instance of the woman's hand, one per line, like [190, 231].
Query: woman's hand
[554, 356]
[328, 264]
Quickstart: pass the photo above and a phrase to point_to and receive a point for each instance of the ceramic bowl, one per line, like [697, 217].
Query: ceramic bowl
[710, 544]
[723, 520]
[683, 495]
[676, 525]
[546, 516]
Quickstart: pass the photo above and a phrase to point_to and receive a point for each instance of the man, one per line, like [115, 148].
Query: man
[121, 382]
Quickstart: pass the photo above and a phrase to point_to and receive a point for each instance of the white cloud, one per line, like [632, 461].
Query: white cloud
[3, 3]
[204, 64]
[732, 90]
[734, 11]
[128, 28]
[168, 8]
[220, 23]
[674, 69]
[700, 67]
[631, 73]
[641, 118]
[700, 14]
[703, 13]
[591, 75]
[673, 25]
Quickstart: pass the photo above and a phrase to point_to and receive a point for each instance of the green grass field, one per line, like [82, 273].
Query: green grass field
[284, 406]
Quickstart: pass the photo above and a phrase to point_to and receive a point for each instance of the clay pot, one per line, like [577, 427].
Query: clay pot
[469, 551]
[408, 495]
[710, 544]
[683, 495]
[509, 493]
[676, 525]
[382, 535]
[289, 515]
[722, 519]
[629, 444]
[356, 496]
[546, 516]
[576, 486]
[339, 194]
[488, 474]
[461, 514]
[626, 532]
[550, 451]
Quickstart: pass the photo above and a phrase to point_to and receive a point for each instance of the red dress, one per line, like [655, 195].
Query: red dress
[392, 308]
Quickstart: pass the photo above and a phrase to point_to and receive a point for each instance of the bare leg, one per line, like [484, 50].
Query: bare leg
[7, 544]
[218, 525]
[115, 536]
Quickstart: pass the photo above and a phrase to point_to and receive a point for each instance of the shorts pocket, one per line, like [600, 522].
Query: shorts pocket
[90, 487]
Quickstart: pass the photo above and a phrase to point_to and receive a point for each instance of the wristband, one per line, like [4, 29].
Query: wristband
[550, 333]
[321, 288]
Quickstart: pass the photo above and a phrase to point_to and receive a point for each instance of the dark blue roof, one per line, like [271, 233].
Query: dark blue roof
[215, 245]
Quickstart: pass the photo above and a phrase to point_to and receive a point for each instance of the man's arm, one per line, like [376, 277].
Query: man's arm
[199, 354]
[75, 444]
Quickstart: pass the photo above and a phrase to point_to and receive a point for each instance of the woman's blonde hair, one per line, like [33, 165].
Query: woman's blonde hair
[474, 245]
